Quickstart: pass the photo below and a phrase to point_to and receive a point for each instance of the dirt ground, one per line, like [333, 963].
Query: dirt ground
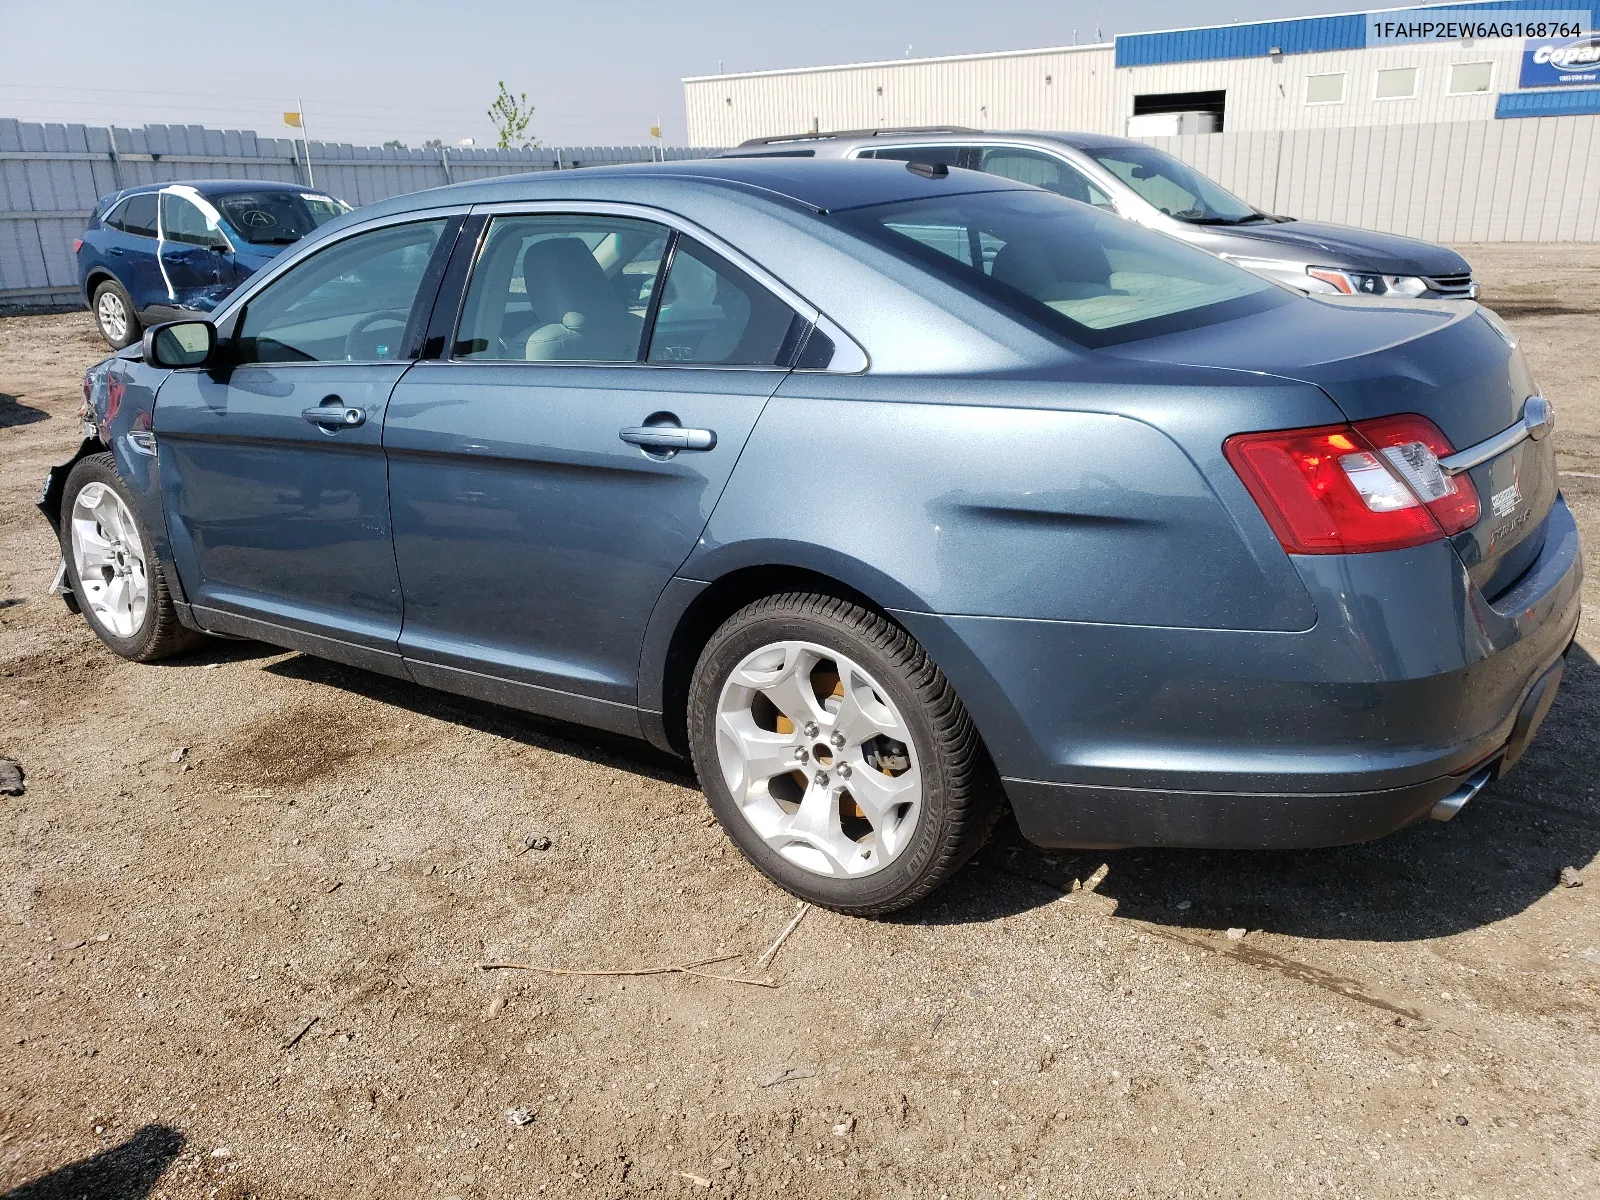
[253, 972]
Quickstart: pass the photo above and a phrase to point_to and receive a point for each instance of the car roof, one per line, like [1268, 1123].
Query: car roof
[823, 185]
[221, 187]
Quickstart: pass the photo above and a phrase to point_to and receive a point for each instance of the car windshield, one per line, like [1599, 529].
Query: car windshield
[1174, 188]
[1069, 267]
[277, 218]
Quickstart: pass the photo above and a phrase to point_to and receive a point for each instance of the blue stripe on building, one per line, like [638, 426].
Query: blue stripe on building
[1308, 35]
[1570, 102]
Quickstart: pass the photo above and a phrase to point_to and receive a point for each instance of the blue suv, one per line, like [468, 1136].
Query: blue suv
[162, 252]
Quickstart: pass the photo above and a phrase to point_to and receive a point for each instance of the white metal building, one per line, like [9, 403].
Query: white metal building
[1307, 73]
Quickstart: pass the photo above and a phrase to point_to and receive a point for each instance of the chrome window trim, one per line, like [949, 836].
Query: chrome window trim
[608, 208]
[1538, 419]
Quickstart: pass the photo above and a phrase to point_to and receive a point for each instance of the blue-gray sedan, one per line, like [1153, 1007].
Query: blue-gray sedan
[881, 492]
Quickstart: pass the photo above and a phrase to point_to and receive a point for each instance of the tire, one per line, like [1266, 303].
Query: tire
[924, 800]
[109, 302]
[112, 543]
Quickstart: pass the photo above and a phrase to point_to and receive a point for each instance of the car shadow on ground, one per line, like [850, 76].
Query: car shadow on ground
[1503, 852]
[592, 745]
[14, 412]
[127, 1171]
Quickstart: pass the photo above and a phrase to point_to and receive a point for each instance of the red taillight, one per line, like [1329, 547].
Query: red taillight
[1353, 489]
[77, 244]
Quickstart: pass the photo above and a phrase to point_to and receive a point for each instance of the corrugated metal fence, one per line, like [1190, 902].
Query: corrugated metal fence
[1535, 180]
[52, 175]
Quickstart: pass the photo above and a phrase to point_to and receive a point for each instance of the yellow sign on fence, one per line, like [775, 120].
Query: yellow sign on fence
[292, 119]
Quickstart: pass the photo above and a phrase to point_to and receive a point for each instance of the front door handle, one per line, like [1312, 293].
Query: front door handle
[333, 414]
[669, 437]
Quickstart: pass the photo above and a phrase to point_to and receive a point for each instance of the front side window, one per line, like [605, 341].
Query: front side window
[712, 312]
[275, 218]
[1043, 171]
[561, 289]
[182, 221]
[136, 215]
[348, 303]
[1173, 187]
[1069, 268]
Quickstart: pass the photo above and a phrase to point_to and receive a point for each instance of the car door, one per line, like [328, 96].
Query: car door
[556, 467]
[131, 250]
[273, 475]
[194, 255]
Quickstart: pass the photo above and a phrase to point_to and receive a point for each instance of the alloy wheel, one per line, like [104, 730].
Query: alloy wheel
[109, 558]
[818, 759]
[112, 315]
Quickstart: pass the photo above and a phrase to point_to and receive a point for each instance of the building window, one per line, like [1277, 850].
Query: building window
[1397, 83]
[1471, 78]
[1325, 89]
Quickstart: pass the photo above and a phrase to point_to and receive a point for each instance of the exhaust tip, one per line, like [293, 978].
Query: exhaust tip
[1448, 807]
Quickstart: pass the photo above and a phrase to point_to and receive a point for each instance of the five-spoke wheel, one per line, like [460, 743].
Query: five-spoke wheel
[817, 759]
[836, 754]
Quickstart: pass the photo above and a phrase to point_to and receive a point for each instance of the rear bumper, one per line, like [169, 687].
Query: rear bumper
[1055, 814]
[1409, 684]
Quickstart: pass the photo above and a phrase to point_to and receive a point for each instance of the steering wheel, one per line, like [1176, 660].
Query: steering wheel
[366, 323]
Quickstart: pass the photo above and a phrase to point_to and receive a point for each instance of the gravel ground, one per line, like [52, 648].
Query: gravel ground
[244, 900]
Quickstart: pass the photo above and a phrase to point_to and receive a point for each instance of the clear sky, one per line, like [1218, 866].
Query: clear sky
[599, 72]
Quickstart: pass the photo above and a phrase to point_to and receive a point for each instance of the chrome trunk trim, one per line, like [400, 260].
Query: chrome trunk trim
[1538, 419]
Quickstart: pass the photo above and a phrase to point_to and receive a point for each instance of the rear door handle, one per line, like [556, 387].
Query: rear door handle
[669, 437]
[113, 249]
[333, 414]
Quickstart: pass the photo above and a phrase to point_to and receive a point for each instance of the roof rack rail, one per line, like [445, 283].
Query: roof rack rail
[846, 133]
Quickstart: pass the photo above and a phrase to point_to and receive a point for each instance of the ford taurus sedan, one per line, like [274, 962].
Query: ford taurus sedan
[884, 492]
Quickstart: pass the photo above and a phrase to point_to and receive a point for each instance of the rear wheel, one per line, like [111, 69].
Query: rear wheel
[837, 755]
[112, 567]
[113, 315]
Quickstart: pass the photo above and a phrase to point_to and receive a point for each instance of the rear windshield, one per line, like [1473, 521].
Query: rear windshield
[1096, 278]
[277, 218]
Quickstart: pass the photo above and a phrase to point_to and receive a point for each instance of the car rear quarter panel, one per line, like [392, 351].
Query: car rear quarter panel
[1017, 502]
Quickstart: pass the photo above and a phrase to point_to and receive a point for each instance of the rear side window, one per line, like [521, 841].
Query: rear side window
[713, 313]
[1042, 171]
[348, 303]
[1067, 267]
[950, 156]
[561, 289]
[135, 215]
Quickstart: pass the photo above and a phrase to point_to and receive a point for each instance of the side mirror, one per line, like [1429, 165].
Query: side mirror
[179, 344]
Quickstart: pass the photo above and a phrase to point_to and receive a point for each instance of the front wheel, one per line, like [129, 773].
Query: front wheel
[837, 755]
[112, 568]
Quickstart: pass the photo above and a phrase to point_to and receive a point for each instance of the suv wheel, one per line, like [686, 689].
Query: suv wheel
[115, 576]
[837, 755]
[113, 315]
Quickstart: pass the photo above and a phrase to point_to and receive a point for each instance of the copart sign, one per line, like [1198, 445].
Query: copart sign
[1561, 62]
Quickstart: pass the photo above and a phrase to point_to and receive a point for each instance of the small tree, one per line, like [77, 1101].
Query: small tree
[394, 144]
[511, 115]
[433, 144]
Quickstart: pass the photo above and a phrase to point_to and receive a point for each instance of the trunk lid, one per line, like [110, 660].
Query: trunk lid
[1447, 361]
